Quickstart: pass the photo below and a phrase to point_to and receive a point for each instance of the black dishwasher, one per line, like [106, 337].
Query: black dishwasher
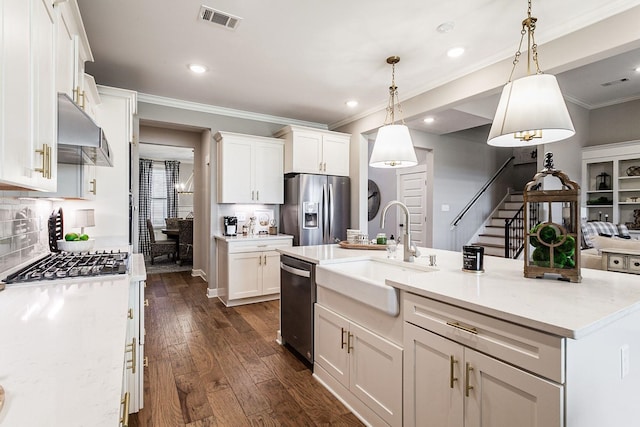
[297, 296]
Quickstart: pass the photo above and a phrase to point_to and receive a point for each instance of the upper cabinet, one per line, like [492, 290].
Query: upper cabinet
[28, 96]
[72, 52]
[309, 150]
[249, 169]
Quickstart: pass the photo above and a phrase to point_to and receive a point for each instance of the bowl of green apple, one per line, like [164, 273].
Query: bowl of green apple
[74, 242]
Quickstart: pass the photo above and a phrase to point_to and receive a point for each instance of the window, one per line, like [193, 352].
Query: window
[158, 195]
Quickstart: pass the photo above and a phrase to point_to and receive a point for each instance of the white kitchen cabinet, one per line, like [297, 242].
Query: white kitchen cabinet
[248, 270]
[250, 169]
[28, 99]
[74, 182]
[134, 347]
[364, 363]
[448, 384]
[309, 150]
[72, 51]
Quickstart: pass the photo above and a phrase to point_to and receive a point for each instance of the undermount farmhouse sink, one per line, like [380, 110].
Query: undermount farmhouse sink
[364, 281]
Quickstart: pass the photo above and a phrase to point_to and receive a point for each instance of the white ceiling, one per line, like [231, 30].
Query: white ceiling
[304, 59]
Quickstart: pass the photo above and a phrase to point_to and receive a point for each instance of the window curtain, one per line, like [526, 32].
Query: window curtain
[172, 177]
[144, 208]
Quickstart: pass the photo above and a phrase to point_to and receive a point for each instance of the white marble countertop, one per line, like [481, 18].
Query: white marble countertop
[561, 308]
[62, 356]
[257, 237]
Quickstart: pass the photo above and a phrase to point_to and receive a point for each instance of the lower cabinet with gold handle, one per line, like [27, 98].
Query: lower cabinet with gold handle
[450, 384]
[345, 351]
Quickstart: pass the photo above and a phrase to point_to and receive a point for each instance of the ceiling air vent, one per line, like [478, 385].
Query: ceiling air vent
[615, 82]
[218, 17]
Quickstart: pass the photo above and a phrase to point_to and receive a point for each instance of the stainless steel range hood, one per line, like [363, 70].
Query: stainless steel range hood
[80, 139]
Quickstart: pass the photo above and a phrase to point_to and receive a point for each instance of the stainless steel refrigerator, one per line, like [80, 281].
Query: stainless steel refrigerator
[316, 208]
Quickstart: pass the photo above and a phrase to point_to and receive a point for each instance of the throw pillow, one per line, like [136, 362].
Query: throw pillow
[601, 242]
[594, 228]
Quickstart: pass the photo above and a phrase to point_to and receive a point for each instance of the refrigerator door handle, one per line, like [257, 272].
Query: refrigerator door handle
[331, 212]
[325, 214]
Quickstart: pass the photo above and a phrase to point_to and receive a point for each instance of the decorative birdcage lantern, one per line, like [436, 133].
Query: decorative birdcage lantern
[552, 225]
[603, 181]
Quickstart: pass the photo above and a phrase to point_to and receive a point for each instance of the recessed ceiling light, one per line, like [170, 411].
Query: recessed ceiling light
[637, 69]
[197, 68]
[352, 103]
[455, 52]
[429, 120]
[446, 27]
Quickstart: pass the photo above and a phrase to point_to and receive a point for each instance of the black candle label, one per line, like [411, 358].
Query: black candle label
[472, 258]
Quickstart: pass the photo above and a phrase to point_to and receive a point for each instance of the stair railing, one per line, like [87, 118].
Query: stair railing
[480, 192]
[514, 229]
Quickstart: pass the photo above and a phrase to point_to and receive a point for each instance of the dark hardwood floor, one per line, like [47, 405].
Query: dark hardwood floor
[215, 366]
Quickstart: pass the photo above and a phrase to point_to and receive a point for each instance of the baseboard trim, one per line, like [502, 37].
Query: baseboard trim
[199, 273]
[212, 293]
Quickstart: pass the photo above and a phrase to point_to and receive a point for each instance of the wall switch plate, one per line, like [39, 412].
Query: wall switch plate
[444, 208]
[624, 361]
[241, 216]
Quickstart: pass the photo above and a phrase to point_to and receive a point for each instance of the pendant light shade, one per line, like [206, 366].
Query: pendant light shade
[393, 147]
[531, 111]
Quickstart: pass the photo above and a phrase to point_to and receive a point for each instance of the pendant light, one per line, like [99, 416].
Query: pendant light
[531, 110]
[393, 147]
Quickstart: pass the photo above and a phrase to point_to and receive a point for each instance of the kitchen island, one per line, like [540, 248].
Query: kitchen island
[532, 351]
[63, 357]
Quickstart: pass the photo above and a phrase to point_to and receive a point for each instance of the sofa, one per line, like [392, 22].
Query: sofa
[598, 235]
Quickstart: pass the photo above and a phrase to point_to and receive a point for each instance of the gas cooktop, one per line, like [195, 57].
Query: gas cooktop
[63, 265]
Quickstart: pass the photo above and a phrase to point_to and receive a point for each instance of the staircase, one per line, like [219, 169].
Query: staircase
[491, 237]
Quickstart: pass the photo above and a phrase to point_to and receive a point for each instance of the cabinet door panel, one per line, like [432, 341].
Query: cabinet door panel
[505, 396]
[430, 398]
[16, 133]
[335, 155]
[235, 172]
[271, 273]
[44, 102]
[269, 178]
[330, 343]
[244, 270]
[307, 152]
[376, 374]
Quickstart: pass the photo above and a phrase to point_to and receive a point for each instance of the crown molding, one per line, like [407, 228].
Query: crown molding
[222, 111]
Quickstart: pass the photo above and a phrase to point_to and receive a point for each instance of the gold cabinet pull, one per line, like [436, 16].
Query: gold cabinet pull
[146, 362]
[320, 167]
[45, 170]
[259, 259]
[146, 302]
[125, 411]
[131, 348]
[349, 346]
[130, 314]
[94, 187]
[467, 387]
[464, 328]
[265, 260]
[325, 166]
[342, 342]
[252, 194]
[257, 194]
[452, 379]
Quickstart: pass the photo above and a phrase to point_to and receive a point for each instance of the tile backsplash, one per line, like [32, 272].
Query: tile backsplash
[23, 230]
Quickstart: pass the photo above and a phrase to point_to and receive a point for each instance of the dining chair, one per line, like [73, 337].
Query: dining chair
[160, 247]
[185, 237]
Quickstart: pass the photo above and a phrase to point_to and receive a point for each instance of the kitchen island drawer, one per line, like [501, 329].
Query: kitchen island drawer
[529, 349]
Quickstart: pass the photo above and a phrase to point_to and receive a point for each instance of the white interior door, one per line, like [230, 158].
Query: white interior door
[412, 191]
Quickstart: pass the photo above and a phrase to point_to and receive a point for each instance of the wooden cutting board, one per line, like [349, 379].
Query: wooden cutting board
[347, 245]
